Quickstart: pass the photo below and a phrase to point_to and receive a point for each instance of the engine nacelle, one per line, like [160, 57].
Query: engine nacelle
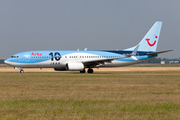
[74, 66]
[60, 69]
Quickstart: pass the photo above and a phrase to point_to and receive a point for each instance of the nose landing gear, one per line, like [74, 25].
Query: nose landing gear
[21, 71]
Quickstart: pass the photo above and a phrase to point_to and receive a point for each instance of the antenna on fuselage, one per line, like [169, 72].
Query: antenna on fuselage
[85, 49]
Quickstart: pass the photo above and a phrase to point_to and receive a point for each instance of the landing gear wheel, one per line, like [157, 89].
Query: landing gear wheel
[83, 71]
[90, 70]
[21, 71]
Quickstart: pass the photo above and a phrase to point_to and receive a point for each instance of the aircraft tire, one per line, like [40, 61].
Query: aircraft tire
[90, 70]
[21, 71]
[83, 71]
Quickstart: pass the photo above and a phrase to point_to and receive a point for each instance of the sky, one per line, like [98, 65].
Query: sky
[27, 25]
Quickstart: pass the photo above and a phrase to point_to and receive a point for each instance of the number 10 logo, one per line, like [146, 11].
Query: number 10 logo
[56, 55]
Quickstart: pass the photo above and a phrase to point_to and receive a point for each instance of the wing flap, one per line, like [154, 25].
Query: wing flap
[101, 61]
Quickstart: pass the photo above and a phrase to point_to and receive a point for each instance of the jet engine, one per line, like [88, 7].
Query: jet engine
[74, 66]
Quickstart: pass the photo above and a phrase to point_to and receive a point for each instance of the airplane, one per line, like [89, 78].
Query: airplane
[81, 60]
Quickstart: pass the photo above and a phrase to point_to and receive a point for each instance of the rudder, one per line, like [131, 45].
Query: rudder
[150, 41]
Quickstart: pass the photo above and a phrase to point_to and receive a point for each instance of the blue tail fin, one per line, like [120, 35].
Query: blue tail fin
[150, 40]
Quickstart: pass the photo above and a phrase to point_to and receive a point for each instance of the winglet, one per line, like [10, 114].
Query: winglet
[135, 51]
[133, 54]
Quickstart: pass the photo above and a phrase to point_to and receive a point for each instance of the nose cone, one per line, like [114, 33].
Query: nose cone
[7, 61]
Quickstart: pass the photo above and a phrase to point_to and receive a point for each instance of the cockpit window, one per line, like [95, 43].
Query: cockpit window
[14, 56]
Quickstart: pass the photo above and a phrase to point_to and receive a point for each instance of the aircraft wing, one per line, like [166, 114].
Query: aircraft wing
[102, 61]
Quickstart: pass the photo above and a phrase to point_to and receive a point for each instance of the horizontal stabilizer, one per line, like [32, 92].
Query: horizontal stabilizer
[159, 52]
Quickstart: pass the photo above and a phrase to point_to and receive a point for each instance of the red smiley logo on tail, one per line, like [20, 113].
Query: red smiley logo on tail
[150, 43]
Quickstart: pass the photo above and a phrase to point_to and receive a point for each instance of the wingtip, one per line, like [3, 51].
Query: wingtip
[159, 21]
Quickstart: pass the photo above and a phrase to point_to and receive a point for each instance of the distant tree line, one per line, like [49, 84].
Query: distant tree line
[158, 60]
[1, 61]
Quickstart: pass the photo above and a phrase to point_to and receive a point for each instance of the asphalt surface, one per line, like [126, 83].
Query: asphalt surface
[176, 73]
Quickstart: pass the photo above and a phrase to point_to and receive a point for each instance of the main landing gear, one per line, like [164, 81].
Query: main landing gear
[83, 71]
[89, 71]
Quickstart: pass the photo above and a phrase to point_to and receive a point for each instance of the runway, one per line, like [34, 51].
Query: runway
[106, 73]
[117, 70]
